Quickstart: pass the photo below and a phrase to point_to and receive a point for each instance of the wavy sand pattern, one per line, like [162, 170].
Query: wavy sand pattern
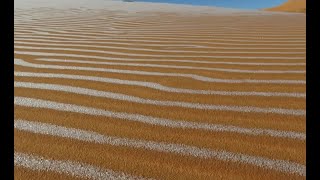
[157, 91]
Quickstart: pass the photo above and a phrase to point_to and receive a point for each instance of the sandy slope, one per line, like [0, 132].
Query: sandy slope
[291, 6]
[130, 92]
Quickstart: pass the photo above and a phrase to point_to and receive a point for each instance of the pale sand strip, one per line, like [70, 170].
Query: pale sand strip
[266, 146]
[92, 27]
[198, 51]
[153, 59]
[133, 46]
[182, 34]
[192, 76]
[44, 25]
[94, 35]
[76, 169]
[161, 38]
[176, 67]
[88, 136]
[169, 19]
[200, 62]
[240, 119]
[39, 103]
[76, 42]
[221, 31]
[166, 42]
[154, 55]
[126, 20]
[158, 86]
[124, 97]
[213, 38]
[147, 26]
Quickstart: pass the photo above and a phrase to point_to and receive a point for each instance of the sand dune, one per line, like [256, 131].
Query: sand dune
[114, 90]
[291, 6]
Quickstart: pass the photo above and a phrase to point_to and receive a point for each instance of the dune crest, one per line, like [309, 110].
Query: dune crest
[290, 6]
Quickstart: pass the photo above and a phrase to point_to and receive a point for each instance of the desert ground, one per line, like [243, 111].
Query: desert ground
[155, 91]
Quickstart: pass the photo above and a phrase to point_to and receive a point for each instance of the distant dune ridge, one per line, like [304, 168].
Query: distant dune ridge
[291, 6]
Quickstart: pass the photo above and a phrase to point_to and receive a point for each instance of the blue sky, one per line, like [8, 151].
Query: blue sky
[245, 4]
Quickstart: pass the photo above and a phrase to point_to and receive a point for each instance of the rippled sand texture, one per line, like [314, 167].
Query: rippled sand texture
[108, 94]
